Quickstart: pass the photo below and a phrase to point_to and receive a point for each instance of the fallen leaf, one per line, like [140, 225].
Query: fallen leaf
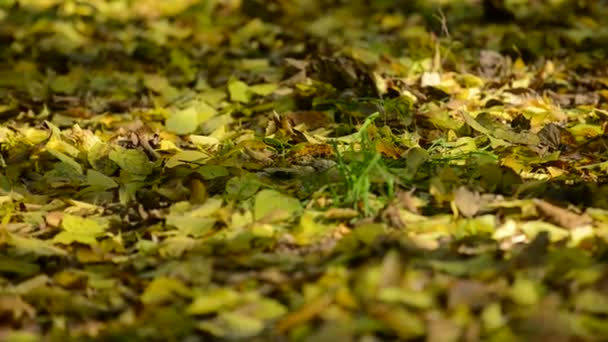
[467, 202]
[560, 216]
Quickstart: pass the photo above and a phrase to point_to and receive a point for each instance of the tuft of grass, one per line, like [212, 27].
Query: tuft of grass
[363, 171]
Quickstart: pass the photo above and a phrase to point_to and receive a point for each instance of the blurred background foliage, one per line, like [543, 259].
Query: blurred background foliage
[207, 18]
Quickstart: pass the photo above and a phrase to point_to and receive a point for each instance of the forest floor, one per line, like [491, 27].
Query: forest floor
[287, 171]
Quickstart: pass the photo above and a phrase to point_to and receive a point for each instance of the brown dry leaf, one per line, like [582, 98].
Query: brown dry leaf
[340, 213]
[556, 137]
[442, 329]
[407, 200]
[468, 202]
[388, 149]
[296, 69]
[468, 293]
[491, 63]
[560, 216]
[391, 215]
[344, 73]
[306, 152]
[54, 218]
[13, 308]
[568, 100]
[309, 118]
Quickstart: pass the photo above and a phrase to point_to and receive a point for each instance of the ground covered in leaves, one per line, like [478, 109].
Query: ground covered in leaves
[303, 171]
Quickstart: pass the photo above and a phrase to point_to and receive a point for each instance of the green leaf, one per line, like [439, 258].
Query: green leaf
[213, 171]
[417, 299]
[184, 121]
[66, 159]
[233, 325]
[468, 267]
[194, 226]
[492, 317]
[194, 221]
[79, 229]
[269, 202]
[164, 289]
[187, 120]
[161, 85]
[263, 89]
[67, 238]
[532, 228]
[213, 301]
[27, 245]
[239, 325]
[185, 157]
[81, 225]
[368, 233]
[132, 161]
[65, 84]
[267, 309]
[405, 324]
[98, 157]
[308, 230]
[98, 179]
[415, 158]
[243, 187]
[239, 91]
[591, 301]
[21, 336]
[18, 267]
[524, 291]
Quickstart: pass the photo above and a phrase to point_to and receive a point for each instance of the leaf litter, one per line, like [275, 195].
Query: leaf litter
[303, 171]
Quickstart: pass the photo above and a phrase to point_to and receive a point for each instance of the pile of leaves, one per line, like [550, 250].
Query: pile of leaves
[303, 171]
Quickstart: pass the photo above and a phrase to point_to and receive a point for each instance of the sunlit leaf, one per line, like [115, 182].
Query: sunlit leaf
[163, 289]
[213, 301]
[239, 91]
[79, 229]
